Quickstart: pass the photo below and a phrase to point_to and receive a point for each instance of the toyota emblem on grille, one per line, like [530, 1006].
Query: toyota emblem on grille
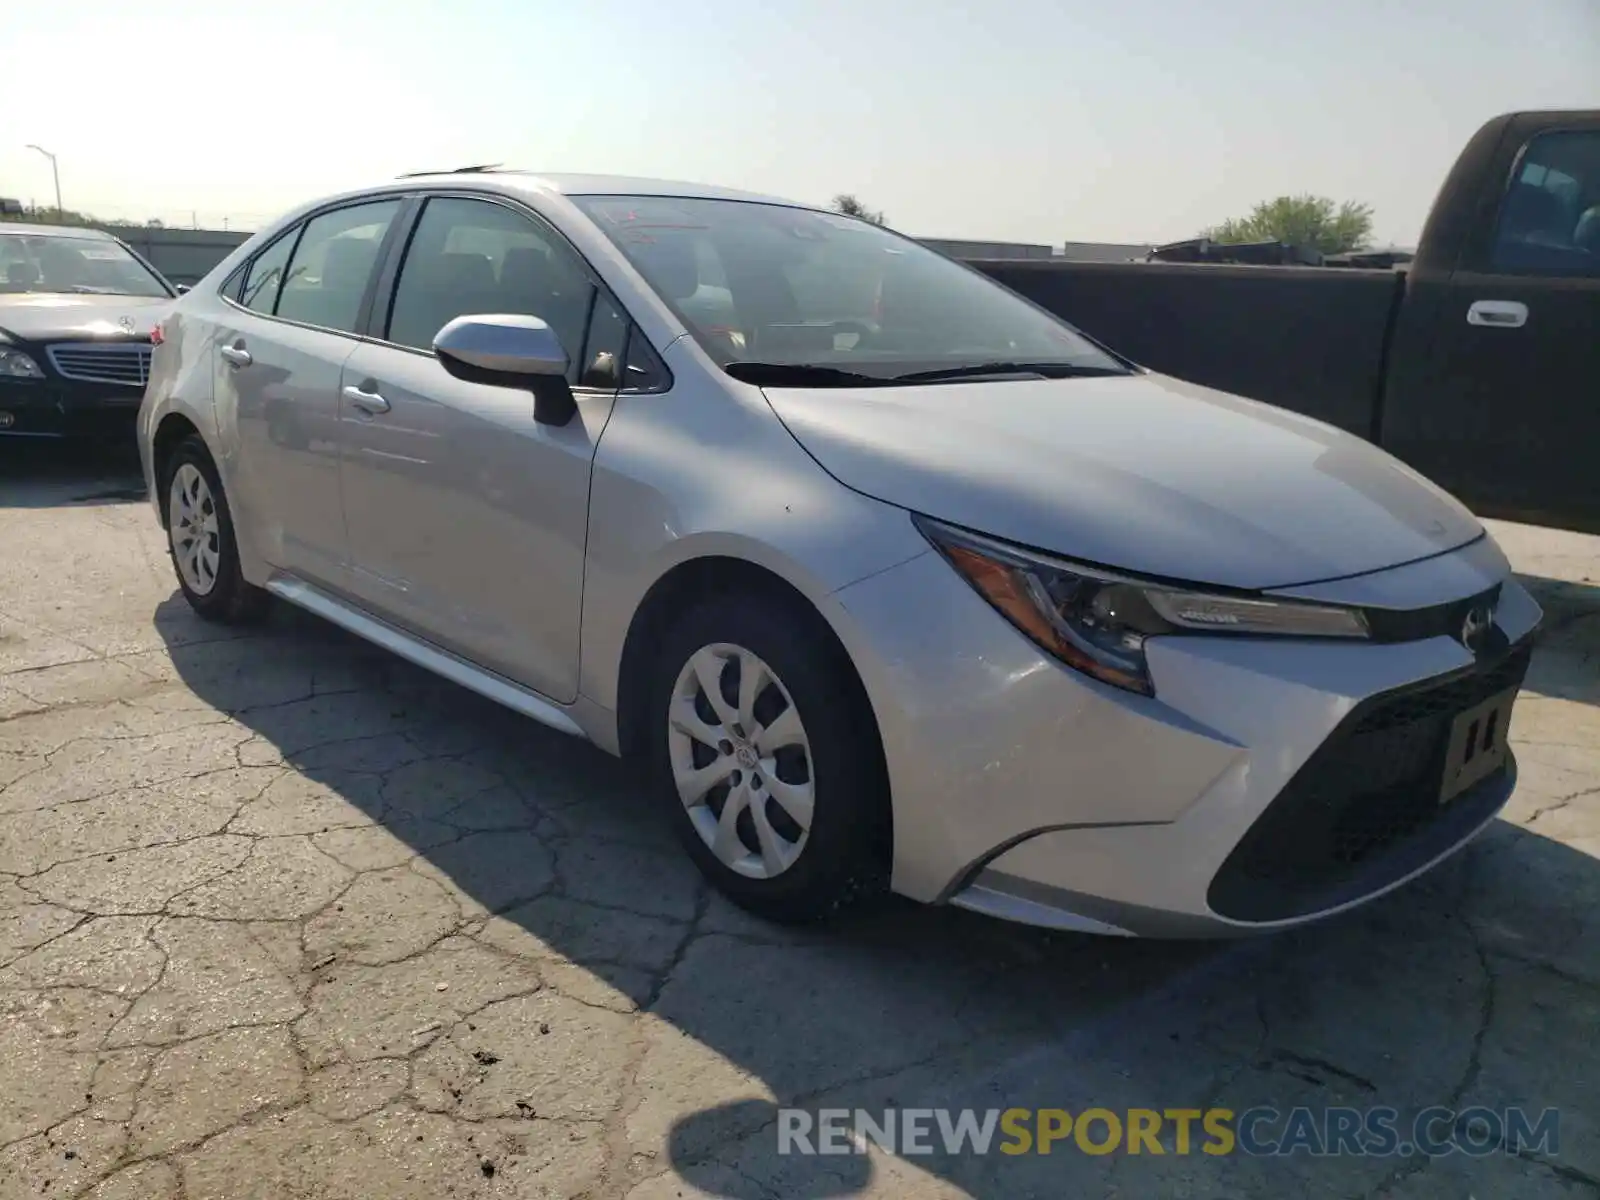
[126, 323]
[1476, 628]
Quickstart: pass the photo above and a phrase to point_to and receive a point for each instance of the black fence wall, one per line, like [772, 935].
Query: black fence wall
[1309, 339]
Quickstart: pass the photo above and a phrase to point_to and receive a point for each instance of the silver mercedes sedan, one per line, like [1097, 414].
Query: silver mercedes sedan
[893, 580]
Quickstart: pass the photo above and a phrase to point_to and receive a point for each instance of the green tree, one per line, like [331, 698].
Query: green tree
[851, 207]
[39, 214]
[1302, 221]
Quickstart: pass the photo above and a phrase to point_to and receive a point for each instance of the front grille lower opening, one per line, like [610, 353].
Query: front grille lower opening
[1364, 806]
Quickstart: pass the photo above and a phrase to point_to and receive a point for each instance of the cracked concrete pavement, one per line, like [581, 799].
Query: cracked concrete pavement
[281, 916]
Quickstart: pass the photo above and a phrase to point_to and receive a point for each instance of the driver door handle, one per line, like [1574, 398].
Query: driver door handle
[1498, 314]
[367, 402]
[236, 356]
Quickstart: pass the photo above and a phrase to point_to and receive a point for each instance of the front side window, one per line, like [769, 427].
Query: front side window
[332, 264]
[1550, 217]
[33, 262]
[475, 256]
[768, 285]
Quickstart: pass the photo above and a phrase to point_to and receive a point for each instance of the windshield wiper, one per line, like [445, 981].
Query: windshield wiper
[1056, 370]
[768, 374]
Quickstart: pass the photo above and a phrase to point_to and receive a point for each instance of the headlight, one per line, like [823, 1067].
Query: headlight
[14, 364]
[1098, 622]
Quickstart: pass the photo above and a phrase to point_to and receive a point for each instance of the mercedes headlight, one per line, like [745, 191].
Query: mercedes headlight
[1098, 621]
[14, 364]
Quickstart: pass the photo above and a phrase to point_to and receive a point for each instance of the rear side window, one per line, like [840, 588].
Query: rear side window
[332, 264]
[265, 276]
[1550, 218]
[473, 256]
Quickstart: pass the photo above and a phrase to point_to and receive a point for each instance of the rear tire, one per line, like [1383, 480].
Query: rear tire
[201, 540]
[763, 744]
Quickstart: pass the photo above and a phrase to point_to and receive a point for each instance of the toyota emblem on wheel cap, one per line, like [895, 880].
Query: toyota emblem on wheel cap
[1476, 627]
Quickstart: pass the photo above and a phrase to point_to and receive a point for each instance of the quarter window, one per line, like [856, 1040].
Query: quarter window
[265, 276]
[473, 256]
[645, 371]
[328, 276]
[1550, 218]
[606, 350]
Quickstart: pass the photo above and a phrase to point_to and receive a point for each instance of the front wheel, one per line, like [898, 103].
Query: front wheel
[766, 751]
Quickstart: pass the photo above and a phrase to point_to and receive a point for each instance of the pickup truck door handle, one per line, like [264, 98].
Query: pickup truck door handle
[1500, 314]
[367, 402]
[236, 355]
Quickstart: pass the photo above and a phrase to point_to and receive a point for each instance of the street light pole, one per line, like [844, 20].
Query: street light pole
[55, 173]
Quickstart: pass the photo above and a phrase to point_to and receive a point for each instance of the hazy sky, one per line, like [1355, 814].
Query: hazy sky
[1040, 120]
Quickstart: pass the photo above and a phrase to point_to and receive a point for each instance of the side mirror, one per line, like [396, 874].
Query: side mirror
[510, 350]
[180, 288]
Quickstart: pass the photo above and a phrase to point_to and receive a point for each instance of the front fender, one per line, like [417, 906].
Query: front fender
[707, 470]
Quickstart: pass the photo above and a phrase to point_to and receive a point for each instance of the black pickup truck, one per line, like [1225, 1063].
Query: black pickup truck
[1478, 364]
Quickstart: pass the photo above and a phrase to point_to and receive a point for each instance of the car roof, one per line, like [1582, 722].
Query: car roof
[67, 231]
[593, 185]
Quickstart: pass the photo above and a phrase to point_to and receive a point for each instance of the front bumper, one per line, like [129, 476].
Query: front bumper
[1024, 790]
[56, 408]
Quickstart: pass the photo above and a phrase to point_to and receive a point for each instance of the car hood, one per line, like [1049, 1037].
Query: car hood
[51, 316]
[1141, 472]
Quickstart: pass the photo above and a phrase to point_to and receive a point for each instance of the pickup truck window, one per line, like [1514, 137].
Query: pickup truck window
[1550, 218]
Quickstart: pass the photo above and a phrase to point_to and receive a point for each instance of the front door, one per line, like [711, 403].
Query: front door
[467, 519]
[1519, 346]
[280, 347]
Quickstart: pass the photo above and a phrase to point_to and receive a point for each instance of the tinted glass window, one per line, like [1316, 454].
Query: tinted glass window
[1550, 219]
[473, 256]
[332, 264]
[606, 347]
[645, 372]
[771, 284]
[265, 276]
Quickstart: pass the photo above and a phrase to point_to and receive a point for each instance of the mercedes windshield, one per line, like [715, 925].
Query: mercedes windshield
[67, 263]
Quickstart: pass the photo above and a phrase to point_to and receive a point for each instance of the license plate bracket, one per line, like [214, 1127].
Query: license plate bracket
[1478, 744]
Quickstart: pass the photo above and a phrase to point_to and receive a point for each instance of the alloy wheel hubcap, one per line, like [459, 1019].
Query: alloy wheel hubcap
[192, 529]
[741, 760]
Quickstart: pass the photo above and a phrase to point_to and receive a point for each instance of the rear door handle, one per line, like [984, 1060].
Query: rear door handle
[367, 402]
[1499, 314]
[238, 356]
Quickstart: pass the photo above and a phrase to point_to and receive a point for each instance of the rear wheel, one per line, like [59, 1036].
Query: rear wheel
[766, 751]
[200, 538]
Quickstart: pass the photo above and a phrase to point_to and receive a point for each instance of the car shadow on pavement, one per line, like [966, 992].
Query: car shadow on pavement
[558, 857]
[1569, 668]
[45, 473]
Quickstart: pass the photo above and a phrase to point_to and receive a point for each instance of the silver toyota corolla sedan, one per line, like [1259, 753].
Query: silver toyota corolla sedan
[891, 578]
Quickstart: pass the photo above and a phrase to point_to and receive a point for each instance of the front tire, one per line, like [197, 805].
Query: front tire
[201, 540]
[764, 747]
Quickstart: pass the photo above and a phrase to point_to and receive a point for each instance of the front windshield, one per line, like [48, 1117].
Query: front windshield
[42, 262]
[769, 284]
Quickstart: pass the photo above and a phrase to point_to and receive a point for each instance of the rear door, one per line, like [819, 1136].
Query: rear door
[1517, 432]
[282, 339]
[467, 519]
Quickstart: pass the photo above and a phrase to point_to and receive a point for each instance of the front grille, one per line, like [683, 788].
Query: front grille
[102, 362]
[1364, 810]
[1440, 620]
